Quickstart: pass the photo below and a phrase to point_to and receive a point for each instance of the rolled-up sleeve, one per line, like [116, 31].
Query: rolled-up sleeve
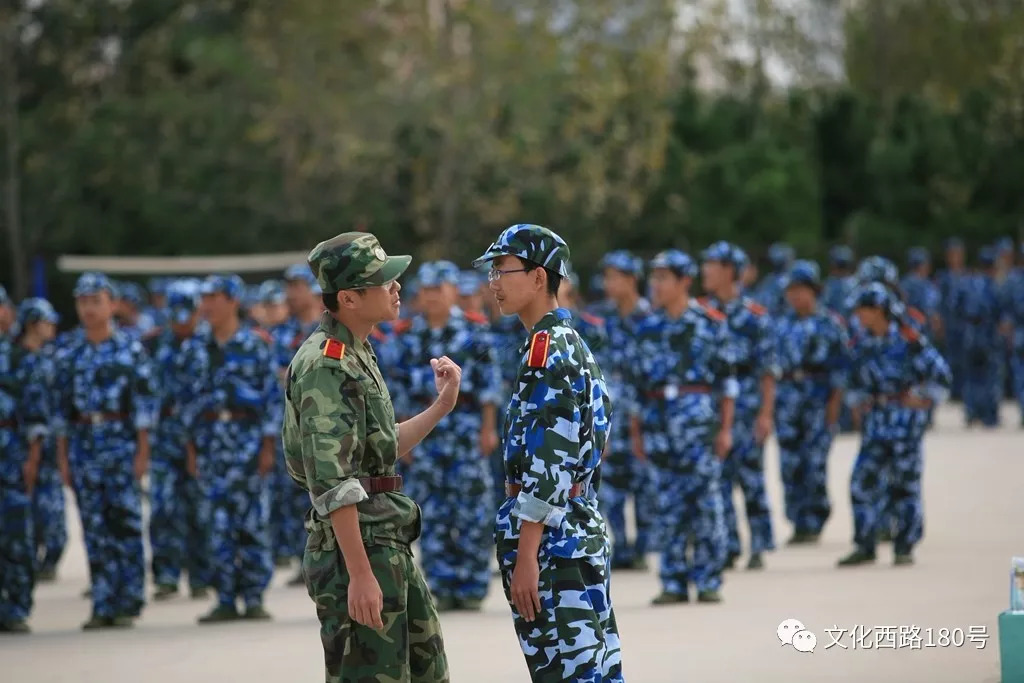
[332, 424]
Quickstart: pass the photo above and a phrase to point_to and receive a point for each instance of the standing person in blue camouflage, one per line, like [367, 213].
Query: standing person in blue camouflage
[950, 281]
[106, 410]
[896, 377]
[131, 315]
[37, 325]
[840, 283]
[177, 532]
[682, 392]
[232, 413]
[623, 475]
[1013, 297]
[156, 310]
[450, 466]
[769, 292]
[979, 304]
[814, 359]
[471, 292]
[24, 422]
[590, 326]
[552, 542]
[920, 292]
[507, 336]
[752, 336]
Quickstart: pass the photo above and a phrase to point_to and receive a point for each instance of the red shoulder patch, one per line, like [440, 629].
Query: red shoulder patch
[263, 334]
[756, 308]
[378, 335]
[704, 301]
[537, 357]
[592, 319]
[840, 320]
[402, 326]
[476, 317]
[334, 349]
[714, 313]
[916, 314]
[909, 333]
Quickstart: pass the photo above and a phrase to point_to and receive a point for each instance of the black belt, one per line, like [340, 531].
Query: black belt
[8, 424]
[800, 375]
[99, 417]
[512, 489]
[228, 415]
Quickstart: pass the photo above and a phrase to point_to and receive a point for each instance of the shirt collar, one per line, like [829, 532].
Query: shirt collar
[335, 329]
[551, 319]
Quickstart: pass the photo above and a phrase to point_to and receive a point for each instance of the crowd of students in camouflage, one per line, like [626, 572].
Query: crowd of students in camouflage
[195, 402]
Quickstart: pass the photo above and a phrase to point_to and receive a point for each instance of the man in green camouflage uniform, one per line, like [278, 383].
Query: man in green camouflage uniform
[378, 621]
[552, 543]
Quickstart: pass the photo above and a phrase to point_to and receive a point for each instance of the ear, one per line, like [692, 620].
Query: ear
[540, 279]
[348, 299]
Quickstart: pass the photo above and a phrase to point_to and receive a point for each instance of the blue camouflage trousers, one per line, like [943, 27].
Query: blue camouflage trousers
[888, 469]
[48, 515]
[453, 483]
[177, 532]
[624, 477]
[290, 502]
[17, 556]
[235, 500]
[804, 443]
[110, 505]
[745, 467]
[982, 386]
[1017, 367]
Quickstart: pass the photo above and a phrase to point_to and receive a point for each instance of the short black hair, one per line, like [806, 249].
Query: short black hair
[330, 299]
[554, 279]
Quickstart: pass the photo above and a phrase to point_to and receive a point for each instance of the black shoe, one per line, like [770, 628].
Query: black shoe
[97, 623]
[622, 564]
[256, 613]
[122, 621]
[297, 580]
[87, 593]
[165, 591]
[670, 598]
[199, 592]
[444, 603]
[709, 596]
[282, 562]
[19, 626]
[885, 536]
[857, 557]
[639, 563]
[220, 614]
[48, 575]
[730, 561]
[469, 604]
[756, 561]
[903, 560]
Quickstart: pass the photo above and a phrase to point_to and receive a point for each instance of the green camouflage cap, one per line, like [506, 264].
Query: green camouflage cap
[532, 243]
[352, 260]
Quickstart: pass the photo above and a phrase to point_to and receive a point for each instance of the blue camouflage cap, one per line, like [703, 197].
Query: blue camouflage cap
[230, 285]
[780, 255]
[727, 253]
[470, 282]
[677, 261]
[271, 292]
[132, 293]
[437, 273]
[917, 256]
[35, 309]
[878, 269]
[182, 301]
[987, 256]
[303, 272]
[803, 272]
[840, 255]
[158, 285]
[1004, 244]
[5, 299]
[93, 283]
[532, 243]
[623, 261]
[873, 295]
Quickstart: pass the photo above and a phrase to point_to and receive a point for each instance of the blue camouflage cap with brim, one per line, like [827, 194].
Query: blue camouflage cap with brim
[624, 262]
[873, 295]
[728, 254]
[437, 273]
[470, 283]
[676, 261]
[231, 286]
[354, 260]
[271, 292]
[89, 284]
[532, 243]
[35, 309]
[803, 272]
[182, 302]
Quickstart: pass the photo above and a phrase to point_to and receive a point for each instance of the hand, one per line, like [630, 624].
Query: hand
[488, 441]
[762, 427]
[266, 459]
[365, 601]
[141, 465]
[723, 443]
[447, 378]
[917, 402]
[30, 470]
[638, 447]
[191, 466]
[525, 587]
[65, 472]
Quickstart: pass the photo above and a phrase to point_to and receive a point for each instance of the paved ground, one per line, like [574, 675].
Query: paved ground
[973, 512]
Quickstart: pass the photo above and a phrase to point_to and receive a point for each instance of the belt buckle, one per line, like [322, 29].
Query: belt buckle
[95, 418]
[882, 400]
[671, 392]
[224, 416]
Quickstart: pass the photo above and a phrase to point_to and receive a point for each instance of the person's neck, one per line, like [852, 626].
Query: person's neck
[360, 329]
[225, 330]
[805, 311]
[627, 303]
[438, 319]
[32, 342]
[537, 309]
[880, 329]
[677, 308]
[100, 333]
[727, 293]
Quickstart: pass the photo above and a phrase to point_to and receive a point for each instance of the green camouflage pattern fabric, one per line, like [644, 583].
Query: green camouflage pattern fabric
[339, 425]
[352, 260]
[555, 433]
[533, 243]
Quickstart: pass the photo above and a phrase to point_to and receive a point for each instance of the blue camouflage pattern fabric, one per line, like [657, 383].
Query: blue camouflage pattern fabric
[25, 413]
[449, 476]
[884, 371]
[980, 307]
[950, 283]
[624, 476]
[678, 370]
[507, 335]
[770, 292]
[108, 394]
[813, 353]
[177, 531]
[232, 403]
[1014, 311]
[556, 431]
[752, 338]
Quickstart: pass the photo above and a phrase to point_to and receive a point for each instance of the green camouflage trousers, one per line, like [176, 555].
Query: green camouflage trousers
[410, 649]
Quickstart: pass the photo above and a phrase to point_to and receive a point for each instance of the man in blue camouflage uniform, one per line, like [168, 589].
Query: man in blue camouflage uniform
[157, 308]
[232, 411]
[449, 469]
[919, 291]
[471, 292]
[131, 304]
[552, 543]
[950, 281]
[769, 292]
[979, 304]
[682, 392]
[896, 376]
[1013, 296]
[507, 336]
[840, 283]
[622, 474]
[813, 358]
[751, 335]
[24, 419]
[37, 322]
[176, 531]
[106, 410]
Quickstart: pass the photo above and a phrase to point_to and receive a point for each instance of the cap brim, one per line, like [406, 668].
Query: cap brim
[391, 270]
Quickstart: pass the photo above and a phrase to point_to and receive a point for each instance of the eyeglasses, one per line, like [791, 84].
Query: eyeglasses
[493, 275]
[386, 286]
